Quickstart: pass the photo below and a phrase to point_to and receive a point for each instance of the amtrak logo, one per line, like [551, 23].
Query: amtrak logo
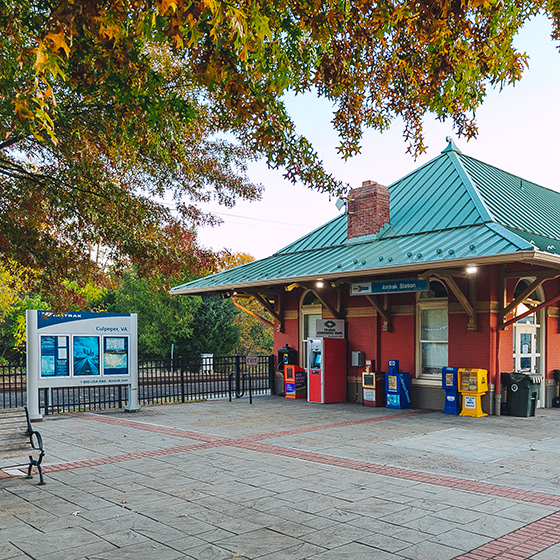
[360, 288]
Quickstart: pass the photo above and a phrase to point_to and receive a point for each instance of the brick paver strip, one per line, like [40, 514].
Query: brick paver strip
[257, 437]
[151, 427]
[405, 474]
[128, 457]
[295, 431]
[520, 544]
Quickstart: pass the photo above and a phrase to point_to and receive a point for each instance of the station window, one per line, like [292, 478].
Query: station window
[432, 330]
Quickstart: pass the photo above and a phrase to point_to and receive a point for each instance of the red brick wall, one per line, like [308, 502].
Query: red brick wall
[368, 209]
[551, 289]
[471, 349]
[362, 335]
[399, 344]
[505, 361]
[290, 336]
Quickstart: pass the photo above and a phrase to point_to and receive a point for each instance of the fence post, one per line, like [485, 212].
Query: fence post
[271, 374]
[182, 374]
[248, 375]
[237, 370]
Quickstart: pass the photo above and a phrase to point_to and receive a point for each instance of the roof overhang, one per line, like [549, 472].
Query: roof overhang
[533, 257]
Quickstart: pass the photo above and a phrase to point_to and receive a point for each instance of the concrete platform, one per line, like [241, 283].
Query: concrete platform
[284, 479]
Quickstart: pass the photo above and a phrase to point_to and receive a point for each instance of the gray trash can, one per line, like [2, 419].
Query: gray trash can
[522, 393]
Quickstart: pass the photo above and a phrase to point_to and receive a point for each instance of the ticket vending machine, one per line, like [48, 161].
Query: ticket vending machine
[326, 370]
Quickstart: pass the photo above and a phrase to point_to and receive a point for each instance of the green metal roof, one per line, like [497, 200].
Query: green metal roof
[453, 209]
[515, 202]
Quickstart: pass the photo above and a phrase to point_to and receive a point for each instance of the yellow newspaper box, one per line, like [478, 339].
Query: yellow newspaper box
[473, 383]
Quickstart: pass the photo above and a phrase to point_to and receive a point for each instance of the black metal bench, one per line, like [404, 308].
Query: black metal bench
[19, 439]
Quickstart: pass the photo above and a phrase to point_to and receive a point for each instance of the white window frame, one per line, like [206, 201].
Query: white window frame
[435, 303]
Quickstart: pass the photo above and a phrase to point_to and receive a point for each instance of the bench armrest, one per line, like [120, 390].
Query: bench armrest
[34, 436]
[37, 441]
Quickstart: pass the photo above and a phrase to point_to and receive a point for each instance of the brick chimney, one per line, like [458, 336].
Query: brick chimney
[368, 209]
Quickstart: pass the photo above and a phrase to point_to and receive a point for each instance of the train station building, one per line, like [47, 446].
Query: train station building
[456, 264]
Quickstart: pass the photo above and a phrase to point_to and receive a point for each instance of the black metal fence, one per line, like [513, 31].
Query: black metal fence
[12, 385]
[183, 380]
[77, 399]
[159, 382]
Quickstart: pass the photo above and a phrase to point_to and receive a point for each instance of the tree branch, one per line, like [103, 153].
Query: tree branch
[11, 141]
[17, 171]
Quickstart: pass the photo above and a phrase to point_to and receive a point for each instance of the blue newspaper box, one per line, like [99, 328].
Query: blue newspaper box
[450, 382]
[397, 390]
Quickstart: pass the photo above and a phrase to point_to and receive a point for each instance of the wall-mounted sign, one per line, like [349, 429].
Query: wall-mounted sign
[360, 289]
[329, 328]
[80, 349]
[399, 285]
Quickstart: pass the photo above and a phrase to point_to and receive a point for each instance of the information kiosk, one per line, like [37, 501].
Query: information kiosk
[80, 349]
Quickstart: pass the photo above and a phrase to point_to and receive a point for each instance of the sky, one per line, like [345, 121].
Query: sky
[518, 132]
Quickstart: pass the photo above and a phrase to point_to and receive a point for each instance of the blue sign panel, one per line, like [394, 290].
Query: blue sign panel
[54, 356]
[400, 285]
[86, 355]
[115, 355]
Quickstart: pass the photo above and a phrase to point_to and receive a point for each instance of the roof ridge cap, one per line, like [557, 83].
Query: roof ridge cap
[472, 190]
[528, 232]
[508, 235]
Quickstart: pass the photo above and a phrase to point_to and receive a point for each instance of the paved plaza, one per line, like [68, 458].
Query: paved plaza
[284, 479]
